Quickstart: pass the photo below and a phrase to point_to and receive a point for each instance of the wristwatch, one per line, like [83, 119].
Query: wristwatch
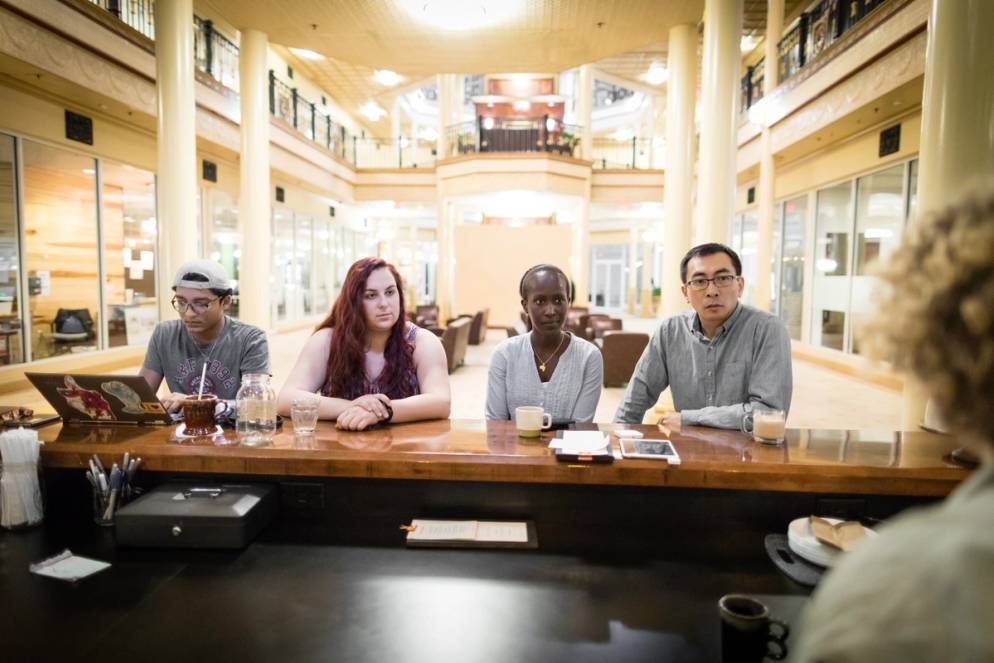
[389, 414]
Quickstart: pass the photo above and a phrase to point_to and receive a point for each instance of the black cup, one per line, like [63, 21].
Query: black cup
[747, 631]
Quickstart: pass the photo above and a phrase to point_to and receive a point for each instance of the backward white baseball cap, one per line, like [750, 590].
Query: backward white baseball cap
[213, 272]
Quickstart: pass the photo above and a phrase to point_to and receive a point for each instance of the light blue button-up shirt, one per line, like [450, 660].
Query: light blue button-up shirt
[715, 381]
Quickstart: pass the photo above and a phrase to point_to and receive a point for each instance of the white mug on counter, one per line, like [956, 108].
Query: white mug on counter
[531, 420]
[767, 425]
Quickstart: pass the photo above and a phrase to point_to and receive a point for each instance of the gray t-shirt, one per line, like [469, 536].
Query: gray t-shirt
[571, 394]
[240, 349]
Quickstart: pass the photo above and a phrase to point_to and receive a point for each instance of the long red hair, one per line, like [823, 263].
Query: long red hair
[346, 374]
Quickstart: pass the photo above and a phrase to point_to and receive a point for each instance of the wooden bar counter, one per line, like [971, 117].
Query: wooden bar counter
[811, 461]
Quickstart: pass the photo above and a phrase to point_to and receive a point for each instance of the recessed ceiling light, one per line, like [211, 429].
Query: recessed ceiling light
[462, 14]
[747, 43]
[386, 77]
[656, 75]
[372, 111]
[306, 53]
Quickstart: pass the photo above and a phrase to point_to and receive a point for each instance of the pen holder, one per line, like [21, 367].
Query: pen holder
[103, 512]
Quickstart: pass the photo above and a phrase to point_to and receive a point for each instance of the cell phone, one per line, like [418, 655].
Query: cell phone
[562, 424]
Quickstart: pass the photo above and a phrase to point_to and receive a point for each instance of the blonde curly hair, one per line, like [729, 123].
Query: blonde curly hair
[936, 310]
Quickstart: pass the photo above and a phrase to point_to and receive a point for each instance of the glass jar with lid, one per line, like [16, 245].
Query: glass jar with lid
[255, 419]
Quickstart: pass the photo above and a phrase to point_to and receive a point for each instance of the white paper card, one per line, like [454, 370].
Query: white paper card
[468, 530]
[580, 442]
[66, 566]
[511, 532]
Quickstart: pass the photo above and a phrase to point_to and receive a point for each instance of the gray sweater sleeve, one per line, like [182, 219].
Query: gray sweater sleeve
[496, 407]
[590, 391]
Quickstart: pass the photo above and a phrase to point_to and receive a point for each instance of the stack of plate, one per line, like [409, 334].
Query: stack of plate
[803, 543]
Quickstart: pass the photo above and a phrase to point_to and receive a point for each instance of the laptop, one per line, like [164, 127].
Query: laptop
[101, 399]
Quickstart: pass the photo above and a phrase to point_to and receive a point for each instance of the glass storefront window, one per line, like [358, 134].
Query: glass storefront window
[913, 189]
[880, 208]
[303, 247]
[225, 240]
[324, 267]
[10, 318]
[750, 244]
[830, 289]
[127, 208]
[792, 265]
[284, 284]
[60, 229]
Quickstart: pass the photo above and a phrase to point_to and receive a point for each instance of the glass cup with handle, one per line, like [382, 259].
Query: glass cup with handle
[767, 425]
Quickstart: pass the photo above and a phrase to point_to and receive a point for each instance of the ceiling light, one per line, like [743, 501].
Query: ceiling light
[386, 77]
[521, 105]
[462, 14]
[88, 171]
[656, 75]
[306, 53]
[747, 43]
[623, 135]
[372, 111]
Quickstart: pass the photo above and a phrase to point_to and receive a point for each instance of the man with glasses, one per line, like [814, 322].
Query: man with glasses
[203, 334]
[720, 360]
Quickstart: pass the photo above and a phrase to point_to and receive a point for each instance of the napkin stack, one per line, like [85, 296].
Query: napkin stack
[20, 493]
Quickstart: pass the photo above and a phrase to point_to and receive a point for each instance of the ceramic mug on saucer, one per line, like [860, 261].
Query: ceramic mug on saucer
[198, 414]
[747, 634]
[531, 420]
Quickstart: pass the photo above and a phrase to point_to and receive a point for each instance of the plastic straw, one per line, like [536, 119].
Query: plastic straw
[203, 375]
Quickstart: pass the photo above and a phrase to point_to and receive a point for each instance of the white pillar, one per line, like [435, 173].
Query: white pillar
[395, 129]
[767, 168]
[584, 110]
[443, 81]
[633, 256]
[716, 181]
[957, 139]
[254, 206]
[678, 183]
[177, 143]
[579, 261]
[444, 295]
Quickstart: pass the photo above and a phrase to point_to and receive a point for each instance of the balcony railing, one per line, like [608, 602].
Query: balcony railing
[139, 14]
[215, 54]
[807, 37]
[400, 152]
[534, 134]
[613, 153]
[307, 118]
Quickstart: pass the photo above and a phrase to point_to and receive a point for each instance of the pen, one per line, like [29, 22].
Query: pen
[96, 460]
[115, 487]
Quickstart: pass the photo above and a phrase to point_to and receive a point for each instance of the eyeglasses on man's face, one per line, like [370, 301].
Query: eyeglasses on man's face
[720, 281]
[198, 306]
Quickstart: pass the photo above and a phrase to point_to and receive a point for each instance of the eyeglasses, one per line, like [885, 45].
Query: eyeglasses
[720, 281]
[198, 307]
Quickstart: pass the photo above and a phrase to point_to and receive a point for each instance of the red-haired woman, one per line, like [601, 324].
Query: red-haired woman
[368, 362]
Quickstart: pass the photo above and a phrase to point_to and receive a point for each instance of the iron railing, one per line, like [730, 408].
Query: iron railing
[806, 38]
[613, 153]
[531, 134]
[400, 152]
[215, 54]
[139, 14]
[309, 119]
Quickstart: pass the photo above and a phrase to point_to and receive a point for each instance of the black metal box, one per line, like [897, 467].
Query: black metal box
[178, 515]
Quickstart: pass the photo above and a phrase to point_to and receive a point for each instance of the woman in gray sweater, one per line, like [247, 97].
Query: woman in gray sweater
[547, 366]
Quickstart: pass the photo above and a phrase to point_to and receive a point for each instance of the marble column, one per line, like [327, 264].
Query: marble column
[176, 177]
[584, 110]
[254, 200]
[678, 182]
[720, 82]
[444, 85]
[957, 138]
[767, 168]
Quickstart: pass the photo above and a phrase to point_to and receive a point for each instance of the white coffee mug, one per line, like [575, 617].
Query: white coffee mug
[531, 420]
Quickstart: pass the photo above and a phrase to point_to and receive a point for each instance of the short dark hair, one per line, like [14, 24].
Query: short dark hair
[543, 268]
[196, 276]
[709, 249]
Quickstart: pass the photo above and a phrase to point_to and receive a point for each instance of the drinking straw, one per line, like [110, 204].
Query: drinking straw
[203, 374]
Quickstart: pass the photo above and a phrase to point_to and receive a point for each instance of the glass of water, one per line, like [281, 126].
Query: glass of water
[304, 413]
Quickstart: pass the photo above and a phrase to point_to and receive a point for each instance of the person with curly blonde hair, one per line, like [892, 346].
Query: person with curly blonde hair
[924, 589]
